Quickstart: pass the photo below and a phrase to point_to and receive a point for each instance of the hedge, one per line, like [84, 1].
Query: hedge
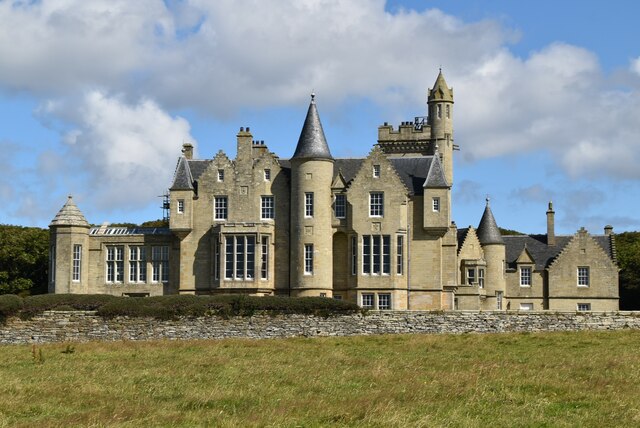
[169, 307]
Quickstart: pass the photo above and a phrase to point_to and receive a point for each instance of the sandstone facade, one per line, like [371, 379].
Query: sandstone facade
[377, 231]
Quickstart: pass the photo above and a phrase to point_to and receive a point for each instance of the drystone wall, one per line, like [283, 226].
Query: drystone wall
[86, 326]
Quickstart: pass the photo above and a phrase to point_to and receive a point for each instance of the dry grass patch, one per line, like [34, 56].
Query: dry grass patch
[546, 379]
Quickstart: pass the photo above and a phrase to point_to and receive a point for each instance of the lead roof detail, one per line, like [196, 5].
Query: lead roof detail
[69, 215]
[488, 231]
[312, 143]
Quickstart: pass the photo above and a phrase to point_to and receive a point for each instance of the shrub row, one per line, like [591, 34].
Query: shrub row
[167, 307]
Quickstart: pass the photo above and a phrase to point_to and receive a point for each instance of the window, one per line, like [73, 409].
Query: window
[239, 255]
[526, 306]
[399, 254]
[583, 276]
[267, 174]
[137, 264]
[499, 300]
[216, 258]
[471, 276]
[376, 171]
[448, 111]
[354, 255]
[221, 175]
[160, 263]
[435, 204]
[340, 206]
[337, 296]
[308, 259]
[439, 111]
[180, 206]
[77, 262]
[384, 301]
[115, 263]
[376, 204]
[584, 307]
[376, 258]
[268, 208]
[220, 207]
[367, 300]
[323, 294]
[525, 276]
[480, 278]
[264, 258]
[308, 204]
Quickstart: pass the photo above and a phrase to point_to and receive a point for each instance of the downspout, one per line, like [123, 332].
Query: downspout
[408, 256]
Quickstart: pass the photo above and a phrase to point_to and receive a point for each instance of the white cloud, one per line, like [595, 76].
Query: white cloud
[635, 66]
[124, 150]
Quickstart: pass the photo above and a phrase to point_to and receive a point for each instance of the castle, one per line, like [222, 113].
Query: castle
[376, 231]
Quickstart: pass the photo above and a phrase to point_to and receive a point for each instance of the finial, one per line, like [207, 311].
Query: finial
[313, 97]
[550, 205]
[69, 196]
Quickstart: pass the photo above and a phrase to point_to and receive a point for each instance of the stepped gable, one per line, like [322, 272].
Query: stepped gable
[69, 215]
[312, 143]
[488, 231]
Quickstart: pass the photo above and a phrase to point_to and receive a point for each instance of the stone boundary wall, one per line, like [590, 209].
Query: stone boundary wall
[79, 326]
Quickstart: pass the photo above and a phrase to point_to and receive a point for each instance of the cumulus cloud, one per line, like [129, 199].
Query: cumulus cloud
[124, 150]
[635, 66]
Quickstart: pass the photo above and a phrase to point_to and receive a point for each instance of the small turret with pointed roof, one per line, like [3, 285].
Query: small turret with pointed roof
[435, 176]
[69, 215]
[440, 90]
[312, 143]
[488, 231]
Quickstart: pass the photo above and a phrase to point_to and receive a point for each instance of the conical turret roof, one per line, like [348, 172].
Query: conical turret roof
[435, 175]
[488, 231]
[440, 91]
[69, 215]
[312, 143]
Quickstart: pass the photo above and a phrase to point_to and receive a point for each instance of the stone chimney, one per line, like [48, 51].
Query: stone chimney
[187, 151]
[551, 228]
[608, 230]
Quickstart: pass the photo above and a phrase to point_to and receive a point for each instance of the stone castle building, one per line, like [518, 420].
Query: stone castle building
[376, 231]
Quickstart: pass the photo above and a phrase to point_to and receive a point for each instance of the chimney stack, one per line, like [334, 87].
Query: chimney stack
[551, 230]
[187, 151]
[608, 230]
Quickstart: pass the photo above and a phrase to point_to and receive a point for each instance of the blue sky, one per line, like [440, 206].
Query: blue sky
[96, 98]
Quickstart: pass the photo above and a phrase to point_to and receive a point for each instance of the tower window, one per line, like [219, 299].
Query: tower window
[308, 204]
[439, 111]
[435, 203]
[77, 260]
[448, 111]
[308, 259]
[180, 206]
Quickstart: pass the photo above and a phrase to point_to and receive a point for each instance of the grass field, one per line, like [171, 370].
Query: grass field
[547, 379]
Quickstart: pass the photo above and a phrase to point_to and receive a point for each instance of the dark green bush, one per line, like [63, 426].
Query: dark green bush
[10, 304]
[171, 307]
[50, 302]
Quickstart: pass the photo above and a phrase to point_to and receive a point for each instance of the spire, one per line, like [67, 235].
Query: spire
[182, 179]
[488, 231]
[69, 215]
[440, 91]
[312, 143]
[435, 175]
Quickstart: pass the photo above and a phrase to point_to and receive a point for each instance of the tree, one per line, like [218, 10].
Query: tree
[24, 260]
[628, 249]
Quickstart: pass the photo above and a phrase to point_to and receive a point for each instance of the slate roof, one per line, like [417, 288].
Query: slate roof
[69, 215]
[435, 176]
[440, 90]
[412, 171]
[488, 232]
[543, 254]
[312, 143]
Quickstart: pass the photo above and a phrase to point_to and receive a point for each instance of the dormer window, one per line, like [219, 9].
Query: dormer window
[221, 175]
[376, 171]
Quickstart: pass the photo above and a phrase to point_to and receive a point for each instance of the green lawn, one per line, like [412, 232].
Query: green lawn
[547, 379]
